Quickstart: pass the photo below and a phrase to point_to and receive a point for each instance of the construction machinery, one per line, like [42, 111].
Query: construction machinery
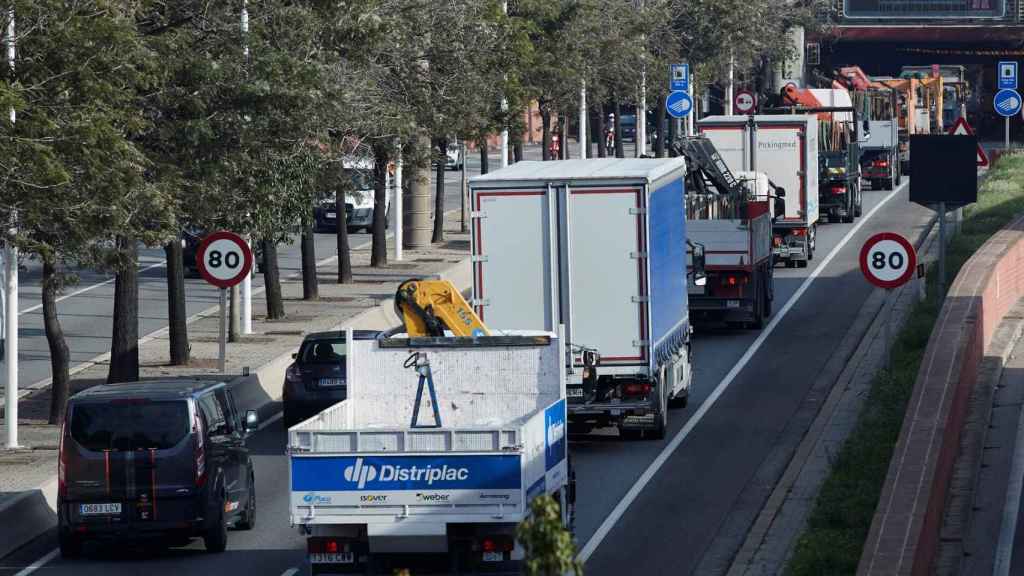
[730, 217]
[429, 307]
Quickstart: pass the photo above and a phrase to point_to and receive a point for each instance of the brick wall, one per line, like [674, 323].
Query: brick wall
[905, 531]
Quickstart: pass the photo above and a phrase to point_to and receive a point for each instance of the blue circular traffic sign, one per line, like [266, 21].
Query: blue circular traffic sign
[1007, 103]
[678, 104]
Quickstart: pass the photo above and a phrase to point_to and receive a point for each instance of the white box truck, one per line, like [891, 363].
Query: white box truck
[371, 479]
[598, 246]
[786, 149]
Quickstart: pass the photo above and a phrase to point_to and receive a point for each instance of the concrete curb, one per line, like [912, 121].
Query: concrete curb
[27, 515]
[35, 510]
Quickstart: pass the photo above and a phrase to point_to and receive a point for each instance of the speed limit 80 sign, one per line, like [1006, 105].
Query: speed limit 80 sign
[888, 260]
[224, 259]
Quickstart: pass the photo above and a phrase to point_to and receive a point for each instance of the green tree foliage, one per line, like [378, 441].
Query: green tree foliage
[548, 545]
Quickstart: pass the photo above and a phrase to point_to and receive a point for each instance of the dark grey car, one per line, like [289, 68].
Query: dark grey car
[164, 460]
[317, 379]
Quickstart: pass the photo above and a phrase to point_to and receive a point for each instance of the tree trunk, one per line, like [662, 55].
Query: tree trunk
[176, 322]
[59, 353]
[484, 168]
[517, 149]
[438, 235]
[659, 129]
[545, 130]
[379, 251]
[124, 339]
[272, 281]
[310, 284]
[344, 254]
[602, 149]
[619, 149]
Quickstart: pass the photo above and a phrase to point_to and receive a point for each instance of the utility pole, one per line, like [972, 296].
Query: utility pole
[247, 281]
[504, 110]
[11, 279]
[693, 112]
[396, 202]
[583, 122]
[641, 113]
[730, 87]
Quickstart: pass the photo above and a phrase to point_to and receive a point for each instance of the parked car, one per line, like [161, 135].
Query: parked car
[453, 157]
[317, 378]
[154, 460]
[191, 237]
[358, 202]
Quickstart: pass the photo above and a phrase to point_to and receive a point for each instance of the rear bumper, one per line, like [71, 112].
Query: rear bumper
[711, 308]
[640, 415]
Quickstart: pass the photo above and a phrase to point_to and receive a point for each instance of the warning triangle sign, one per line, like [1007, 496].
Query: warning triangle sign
[962, 128]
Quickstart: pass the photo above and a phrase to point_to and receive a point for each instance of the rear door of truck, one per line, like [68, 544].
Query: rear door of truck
[606, 270]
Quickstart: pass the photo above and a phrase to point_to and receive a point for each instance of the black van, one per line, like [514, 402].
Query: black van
[161, 459]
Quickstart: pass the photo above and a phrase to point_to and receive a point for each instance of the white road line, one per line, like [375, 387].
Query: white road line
[269, 421]
[653, 468]
[1011, 507]
[290, 572]
[89, 289]
[39, 563]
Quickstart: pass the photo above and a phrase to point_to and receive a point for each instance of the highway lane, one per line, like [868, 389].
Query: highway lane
[86, 309]
[726, 465]
[674, 519]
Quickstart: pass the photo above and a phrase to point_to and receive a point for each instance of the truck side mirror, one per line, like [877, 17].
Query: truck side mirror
[700, 277]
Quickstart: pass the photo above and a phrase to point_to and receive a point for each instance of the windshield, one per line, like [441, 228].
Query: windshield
[323, 352]
[361, 180]
[129, 426]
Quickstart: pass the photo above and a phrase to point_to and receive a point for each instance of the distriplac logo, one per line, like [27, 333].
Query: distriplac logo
[361, 473]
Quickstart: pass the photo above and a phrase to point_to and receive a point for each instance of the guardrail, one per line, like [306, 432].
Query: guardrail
[904, 534]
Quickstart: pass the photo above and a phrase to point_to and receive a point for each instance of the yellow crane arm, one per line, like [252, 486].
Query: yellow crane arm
[428, 307]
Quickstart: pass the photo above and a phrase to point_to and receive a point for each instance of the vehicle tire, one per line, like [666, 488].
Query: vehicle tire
[848, 219]
[759, 311]
[248, 521]
[790, 263]
[899, 178]
[677, 402]
[659, 432]
[70, 545]
[858, 210]
[216, 537]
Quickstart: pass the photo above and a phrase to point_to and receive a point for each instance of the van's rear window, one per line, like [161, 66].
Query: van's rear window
[129, 426]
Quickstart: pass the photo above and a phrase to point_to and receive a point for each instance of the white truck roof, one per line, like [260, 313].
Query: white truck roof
[648, 169]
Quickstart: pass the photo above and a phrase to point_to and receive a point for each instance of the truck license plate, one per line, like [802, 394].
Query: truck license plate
[494, 557]
[574, 392]
[732, 303]
[338, 558]
[93, 509]
[332, 215]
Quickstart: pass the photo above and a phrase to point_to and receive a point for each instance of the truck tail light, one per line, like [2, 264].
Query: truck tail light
[840, 189]
[497, 543]
[880, 163]
[799, 232]
[734, 279]
[326, 545]
[636, 389]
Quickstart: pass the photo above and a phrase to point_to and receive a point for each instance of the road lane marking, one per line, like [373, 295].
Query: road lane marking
[620, 509]
[277, 416]
[89, 288]
[290, 572]
[39, 563]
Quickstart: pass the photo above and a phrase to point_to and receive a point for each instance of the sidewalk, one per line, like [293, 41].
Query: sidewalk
[254, 366]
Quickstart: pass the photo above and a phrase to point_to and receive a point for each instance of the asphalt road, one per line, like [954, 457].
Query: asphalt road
[726, 443]
[85, 310]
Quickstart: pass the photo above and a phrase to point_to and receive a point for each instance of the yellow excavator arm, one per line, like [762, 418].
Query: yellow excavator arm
[429, 307]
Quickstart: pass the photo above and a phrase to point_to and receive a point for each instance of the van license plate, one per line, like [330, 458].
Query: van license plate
[494, 557]
[91, 509]
[338, 558]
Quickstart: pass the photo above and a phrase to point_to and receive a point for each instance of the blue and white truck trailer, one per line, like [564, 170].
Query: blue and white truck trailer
[372, 482]
[600, 247]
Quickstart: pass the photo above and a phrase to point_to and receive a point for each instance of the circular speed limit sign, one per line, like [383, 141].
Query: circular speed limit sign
[888, 260]
[224, 259]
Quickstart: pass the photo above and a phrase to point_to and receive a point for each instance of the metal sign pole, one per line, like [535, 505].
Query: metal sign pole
[888, 344]
[1007, 146]
[222, 333]
[11, 279]
[942, 250]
